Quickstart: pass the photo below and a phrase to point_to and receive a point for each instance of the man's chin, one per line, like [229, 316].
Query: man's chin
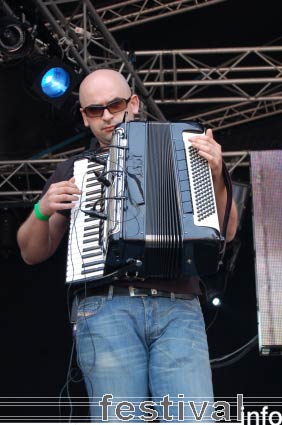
[105, 142]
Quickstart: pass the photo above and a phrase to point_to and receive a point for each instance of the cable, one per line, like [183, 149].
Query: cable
[240, 353]
[66, 386]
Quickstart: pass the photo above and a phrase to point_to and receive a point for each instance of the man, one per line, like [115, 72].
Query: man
[130, 348]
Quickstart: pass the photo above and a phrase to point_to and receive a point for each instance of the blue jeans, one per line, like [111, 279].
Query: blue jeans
[135, 350]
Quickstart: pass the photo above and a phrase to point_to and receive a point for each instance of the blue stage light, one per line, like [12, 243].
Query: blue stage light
[51, 79]
[55, 82]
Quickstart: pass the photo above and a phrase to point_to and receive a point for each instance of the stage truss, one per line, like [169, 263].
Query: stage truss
[24, 180]
[220, 87]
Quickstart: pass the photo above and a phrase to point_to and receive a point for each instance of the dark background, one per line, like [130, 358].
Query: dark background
[36, 335]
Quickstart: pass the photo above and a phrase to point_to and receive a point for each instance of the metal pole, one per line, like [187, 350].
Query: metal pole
[108, 36]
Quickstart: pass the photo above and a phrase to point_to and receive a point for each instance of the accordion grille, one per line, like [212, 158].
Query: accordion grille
[163, 229]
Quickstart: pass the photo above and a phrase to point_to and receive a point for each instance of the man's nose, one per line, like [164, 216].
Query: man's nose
[107, 115]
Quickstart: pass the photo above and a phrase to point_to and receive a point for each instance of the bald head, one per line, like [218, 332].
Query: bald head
[103, 82]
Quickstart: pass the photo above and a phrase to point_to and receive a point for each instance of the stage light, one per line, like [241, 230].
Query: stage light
[51, 79]
[216, 302]
[214, 298]
[15, 38]
[55, 82]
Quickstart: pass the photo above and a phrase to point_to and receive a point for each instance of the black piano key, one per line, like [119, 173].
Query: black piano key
[92, 254]
[92, 179]
[93, 263]
[94, 226]
[92, 184]
[91, 205]
[88, 219]
[98, 269]
[93, 192]
[92, 248]
[92, 165]
[91, 240]
[87, 234]
[93, 198]
[93, 171]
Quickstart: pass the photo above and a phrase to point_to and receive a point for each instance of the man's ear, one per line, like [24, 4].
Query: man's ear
[84, 117]
[134, 103]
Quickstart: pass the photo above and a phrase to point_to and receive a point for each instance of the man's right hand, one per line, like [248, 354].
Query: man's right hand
[60, 196]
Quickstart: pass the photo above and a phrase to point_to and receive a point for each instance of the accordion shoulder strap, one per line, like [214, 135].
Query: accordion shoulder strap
[228, 185]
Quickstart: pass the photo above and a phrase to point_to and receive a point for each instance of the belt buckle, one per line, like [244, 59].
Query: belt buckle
[133, 294]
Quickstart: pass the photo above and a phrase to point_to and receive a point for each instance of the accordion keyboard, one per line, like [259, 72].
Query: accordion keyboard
[85, 258]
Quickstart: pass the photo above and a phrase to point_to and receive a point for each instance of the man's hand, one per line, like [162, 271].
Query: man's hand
[37, 239]
[60, 196]
[209, 149]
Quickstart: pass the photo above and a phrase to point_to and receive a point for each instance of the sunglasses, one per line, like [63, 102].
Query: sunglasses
[94, 111]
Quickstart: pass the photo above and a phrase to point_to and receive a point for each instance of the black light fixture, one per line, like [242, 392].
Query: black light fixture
[16, 40]
[52, 79]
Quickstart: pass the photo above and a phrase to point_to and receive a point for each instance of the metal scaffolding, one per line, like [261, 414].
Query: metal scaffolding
[245, 81]
[220, 87]
[124, 14]
[24, 180]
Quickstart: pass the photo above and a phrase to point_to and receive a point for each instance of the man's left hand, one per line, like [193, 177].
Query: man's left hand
[209, 149]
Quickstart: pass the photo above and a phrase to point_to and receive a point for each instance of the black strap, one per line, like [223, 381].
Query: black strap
[228, 185]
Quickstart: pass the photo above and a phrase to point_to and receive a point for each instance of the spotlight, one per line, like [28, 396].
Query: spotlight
[55, 82]
[15, 39]
[214, 298]
[51, 79]
[216, 301]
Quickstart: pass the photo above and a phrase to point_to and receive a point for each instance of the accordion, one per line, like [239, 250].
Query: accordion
[147, 208]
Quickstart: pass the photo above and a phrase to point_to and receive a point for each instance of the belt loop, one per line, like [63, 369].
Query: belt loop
[111, 292]
[172, 296]
[131, 291]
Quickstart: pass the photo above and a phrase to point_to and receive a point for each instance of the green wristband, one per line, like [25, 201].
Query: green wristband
[38, 214]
